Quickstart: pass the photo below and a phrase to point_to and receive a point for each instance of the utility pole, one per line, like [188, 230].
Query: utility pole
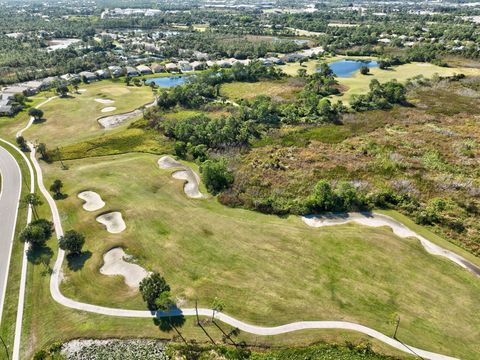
[6, 349]
[396, 327]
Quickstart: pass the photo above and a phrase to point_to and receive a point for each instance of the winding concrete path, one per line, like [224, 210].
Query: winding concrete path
[23, 273]
[56, 279]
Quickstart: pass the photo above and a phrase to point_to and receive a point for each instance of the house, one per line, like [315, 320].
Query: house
[197, 65]
[313, 51]
[224, 63]
[200, 55]
[32, 87]
[293, 57]
[14, 89]
[158, 68]
[6, 109]
[70, 77]
[48, 81]
[116, 71]
[185, 66]
[244, 62]
[103, 74]
[88, 76]
[131, 71]
[275, 60]
[144, 69]
[265, 62]
[171, 67]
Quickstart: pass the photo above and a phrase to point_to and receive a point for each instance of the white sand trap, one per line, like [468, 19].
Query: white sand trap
[110, 122]
[108, 109]
[115, 264]
[82, 90]
[191, 178]
[192, 182]
[376, 220]
[167, 162]
[93, 201]
[104, 101]
[113, 121]
[113, 221]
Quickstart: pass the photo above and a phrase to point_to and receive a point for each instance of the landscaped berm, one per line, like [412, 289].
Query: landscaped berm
[268, 270]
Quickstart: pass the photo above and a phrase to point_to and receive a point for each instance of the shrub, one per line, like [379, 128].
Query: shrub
[72, 242]
[37, 232]
[152, 288]
[216, 175]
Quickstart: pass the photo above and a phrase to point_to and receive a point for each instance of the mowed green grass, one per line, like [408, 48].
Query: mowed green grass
[74, 119]
[280, 90]
[46, 322]
[9, 126]
[269, 270]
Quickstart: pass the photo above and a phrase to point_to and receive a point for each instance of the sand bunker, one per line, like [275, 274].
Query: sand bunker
[110, 122]
[167, 162]
[104, 101]
[81, 90]
[192, 182]
[115, 263]
[108, 109]
[93, 201]
[113, 221]
[376, 220]
[191, 178]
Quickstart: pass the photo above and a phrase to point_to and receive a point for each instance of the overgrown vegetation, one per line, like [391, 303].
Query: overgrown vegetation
[419, 160]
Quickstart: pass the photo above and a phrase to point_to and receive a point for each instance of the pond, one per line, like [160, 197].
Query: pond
[167, 81]
[346, 68]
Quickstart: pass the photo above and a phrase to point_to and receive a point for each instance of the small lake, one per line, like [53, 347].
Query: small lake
[167, 81]
[346, 68]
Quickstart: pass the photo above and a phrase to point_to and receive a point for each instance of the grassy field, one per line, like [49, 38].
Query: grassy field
[75, 118]
[280, 90]
[358, 83]
[8, 320]
[10, 125]
[47, 322]
[205, 250]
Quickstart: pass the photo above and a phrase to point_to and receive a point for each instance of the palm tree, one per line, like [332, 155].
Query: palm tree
[42, 149]
[217, 306]
[33, 200]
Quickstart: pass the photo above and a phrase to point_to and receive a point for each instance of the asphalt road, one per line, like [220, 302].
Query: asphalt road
[9, 201]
